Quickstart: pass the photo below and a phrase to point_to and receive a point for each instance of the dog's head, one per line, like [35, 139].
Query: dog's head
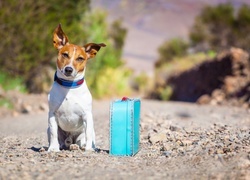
[72, 58]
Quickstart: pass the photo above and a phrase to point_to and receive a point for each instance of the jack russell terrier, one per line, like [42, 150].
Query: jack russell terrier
[70, 102]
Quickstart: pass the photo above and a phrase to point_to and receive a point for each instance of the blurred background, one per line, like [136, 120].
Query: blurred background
[182, 50]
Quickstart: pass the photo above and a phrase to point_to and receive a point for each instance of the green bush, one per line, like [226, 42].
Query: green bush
[4, 102]
[173, 48]
[108, 59]
[27, 26]
[220, 27]
[166, 93]
[141, 81]
[180, 64]
[112, 82]
[10, 83]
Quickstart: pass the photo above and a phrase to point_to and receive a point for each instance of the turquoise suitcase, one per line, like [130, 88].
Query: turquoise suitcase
[125, 127]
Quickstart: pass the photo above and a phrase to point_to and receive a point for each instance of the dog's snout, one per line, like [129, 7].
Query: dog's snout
[68, 71]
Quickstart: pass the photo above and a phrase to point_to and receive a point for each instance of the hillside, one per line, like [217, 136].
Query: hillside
[150, 23]
[224, 79]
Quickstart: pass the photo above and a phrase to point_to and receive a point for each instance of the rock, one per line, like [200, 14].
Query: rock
[174, 128]
[179, 142]
[214, 102]
[226, 137]
[244, 163]
[166, 146]
[218, 95]
[26, 109]
[187, 142]
[159, 137]
[62, 154]
[43, 107]
[42, 149]
[150, 115]
[15, 114]
[219, 151]
[167, 153]
[69, 155]
[204, 99]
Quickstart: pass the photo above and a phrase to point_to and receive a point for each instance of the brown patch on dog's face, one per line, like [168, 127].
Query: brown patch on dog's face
[72, 55]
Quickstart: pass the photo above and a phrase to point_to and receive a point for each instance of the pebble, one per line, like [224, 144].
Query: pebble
[43, 107]
[175, 128]
[159, 137]
[187, 142]
[26, 109]
[167, 153]
[61, 154]
[42, 149]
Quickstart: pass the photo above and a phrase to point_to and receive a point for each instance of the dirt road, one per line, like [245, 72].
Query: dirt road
[178, 141]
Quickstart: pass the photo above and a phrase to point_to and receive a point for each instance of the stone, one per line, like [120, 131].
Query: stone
[244, 163]
[69, 155]
[219, 151]
[43, 107]
[159, 137]
[61, 154]
[42, 149]
[174, 128]
[218, 95]
[187, 142]
[204, 99]
[167, 153]
[180, 143]
[26, 109]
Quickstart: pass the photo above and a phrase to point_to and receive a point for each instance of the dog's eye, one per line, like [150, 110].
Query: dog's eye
[65, 55]
[80, 59]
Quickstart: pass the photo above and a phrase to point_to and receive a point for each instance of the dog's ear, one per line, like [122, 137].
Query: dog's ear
[59, 38]
[91, 49]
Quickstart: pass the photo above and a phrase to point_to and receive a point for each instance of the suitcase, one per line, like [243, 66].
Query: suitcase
[125, 127]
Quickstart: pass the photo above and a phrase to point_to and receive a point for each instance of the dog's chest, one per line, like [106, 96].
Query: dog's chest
[70, 106]
[70, 115]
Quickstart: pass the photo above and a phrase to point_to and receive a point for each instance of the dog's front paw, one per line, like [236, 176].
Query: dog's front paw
[53, 149]
[73, 147]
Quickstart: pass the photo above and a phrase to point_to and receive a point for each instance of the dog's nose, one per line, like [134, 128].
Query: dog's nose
[68, 71]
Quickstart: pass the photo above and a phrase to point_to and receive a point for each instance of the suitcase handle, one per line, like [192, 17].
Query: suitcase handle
[125, 98]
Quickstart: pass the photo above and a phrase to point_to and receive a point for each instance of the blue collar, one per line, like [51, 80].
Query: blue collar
[69, 84]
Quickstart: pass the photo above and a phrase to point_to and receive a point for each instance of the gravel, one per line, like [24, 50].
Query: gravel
[177, 140]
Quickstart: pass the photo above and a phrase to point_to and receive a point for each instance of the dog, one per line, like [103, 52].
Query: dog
[70, 119]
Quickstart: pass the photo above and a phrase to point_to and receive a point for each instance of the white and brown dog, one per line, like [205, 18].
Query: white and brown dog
[70, 102]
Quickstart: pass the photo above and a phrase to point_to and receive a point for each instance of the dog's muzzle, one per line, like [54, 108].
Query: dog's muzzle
[68, 71]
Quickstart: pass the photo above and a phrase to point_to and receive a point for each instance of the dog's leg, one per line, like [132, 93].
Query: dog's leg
[90, 138]
[81, 140]
[93, 135]
[62, 135]
[52, 133]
